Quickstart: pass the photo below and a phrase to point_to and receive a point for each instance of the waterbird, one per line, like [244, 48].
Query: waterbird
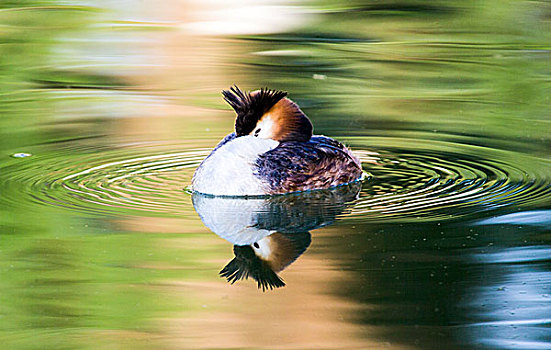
[272, 151]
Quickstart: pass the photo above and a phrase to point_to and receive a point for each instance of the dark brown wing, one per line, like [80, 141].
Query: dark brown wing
[299, 166]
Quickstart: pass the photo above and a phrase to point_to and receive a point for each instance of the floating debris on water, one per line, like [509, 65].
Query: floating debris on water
[21, 155]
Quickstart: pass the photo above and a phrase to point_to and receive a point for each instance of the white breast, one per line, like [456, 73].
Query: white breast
[229, 171]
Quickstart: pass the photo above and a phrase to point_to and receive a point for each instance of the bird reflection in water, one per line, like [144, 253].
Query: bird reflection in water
[271, 232]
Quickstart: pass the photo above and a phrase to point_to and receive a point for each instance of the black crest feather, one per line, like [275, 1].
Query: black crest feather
[250, 108]
[246, 264]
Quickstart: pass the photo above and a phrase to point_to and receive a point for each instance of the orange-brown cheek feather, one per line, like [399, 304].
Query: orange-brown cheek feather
[279, 132]
[290, 124]
[284, 250]
[276, 115]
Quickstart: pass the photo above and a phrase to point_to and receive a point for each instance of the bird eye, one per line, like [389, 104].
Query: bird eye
[256, 132]
[256, 245]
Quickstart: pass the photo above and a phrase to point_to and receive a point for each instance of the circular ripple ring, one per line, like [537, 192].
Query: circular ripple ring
[404, 184]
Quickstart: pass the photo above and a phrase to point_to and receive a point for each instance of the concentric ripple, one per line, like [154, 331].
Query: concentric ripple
[432, 180]
[442, 181]
[149, 184]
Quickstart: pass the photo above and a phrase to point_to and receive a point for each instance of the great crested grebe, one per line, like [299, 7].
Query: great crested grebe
[272, 151]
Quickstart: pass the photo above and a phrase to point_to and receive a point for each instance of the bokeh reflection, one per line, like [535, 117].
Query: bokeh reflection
[95, 263]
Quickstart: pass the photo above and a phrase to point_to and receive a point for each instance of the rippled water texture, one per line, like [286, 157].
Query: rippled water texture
[402, 183]
[108, 108]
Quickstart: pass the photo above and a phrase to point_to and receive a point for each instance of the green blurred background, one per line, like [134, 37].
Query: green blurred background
[85, 83]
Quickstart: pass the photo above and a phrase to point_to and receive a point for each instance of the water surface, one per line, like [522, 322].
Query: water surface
[107, 109]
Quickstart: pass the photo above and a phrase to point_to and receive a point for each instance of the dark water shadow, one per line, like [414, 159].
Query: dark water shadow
[482, 284]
